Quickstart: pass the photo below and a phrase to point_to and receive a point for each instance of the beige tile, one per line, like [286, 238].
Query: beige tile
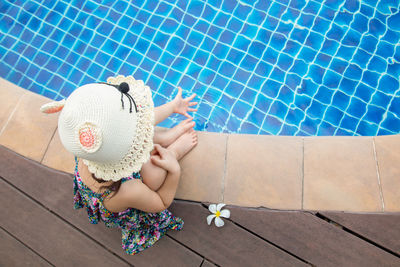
[264, 171]
[57, 157]
[388, 155]
[340, 174]
[203, 169]
[29, 131]
[9, 96]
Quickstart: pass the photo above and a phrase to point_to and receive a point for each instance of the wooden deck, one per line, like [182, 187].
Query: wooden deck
[39, 227]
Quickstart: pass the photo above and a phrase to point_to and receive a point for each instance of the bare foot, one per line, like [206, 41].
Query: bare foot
[184, 144]
[166, 138]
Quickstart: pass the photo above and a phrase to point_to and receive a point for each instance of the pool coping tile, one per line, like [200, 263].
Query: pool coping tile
[388, 157]
[57, 157]
[203, 169]
[264, 171]
[29, 131]
[340, 174]
[10, 95]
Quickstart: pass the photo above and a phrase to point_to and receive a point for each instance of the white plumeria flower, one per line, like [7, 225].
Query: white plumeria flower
[216, 209]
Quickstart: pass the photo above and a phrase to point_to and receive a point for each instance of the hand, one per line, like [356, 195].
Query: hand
[182, 106]
[165, 159]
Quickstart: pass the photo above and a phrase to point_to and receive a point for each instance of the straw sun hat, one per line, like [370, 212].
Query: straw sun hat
[108, 125]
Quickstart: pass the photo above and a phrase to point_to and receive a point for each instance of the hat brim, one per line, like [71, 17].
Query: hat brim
[139, 152]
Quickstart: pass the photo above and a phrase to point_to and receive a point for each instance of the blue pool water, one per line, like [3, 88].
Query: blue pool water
[261, 67]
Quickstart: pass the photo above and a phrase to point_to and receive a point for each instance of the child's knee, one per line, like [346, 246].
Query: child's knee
[153, 176]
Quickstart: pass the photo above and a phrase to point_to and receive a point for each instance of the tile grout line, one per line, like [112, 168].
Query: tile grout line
[12, 113]
[48, 145]
[378, 176]
[224, 175]
[302, 180]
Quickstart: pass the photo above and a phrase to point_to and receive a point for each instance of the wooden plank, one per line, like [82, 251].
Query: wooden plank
[311, 238]
[14, 253]
[229, 245]
[206, 263]
[48, 235]
[382, 229]
[54, 190]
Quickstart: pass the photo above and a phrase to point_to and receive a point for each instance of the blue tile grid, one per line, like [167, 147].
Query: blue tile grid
[284, 67]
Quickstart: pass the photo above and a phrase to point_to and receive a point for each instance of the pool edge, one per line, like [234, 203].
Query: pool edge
[337, 173]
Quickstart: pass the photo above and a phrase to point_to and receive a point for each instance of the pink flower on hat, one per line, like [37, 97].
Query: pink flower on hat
[86, 138]
[89, 137]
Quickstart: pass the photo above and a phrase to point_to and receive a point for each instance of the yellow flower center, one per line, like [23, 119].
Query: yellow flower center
[217, 213]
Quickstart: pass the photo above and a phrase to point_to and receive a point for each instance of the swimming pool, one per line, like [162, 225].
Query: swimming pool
[261, 67]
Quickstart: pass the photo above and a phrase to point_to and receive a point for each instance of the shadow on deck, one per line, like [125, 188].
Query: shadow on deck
[39, 227]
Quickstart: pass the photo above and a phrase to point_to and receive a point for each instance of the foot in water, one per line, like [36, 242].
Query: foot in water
[184, 144]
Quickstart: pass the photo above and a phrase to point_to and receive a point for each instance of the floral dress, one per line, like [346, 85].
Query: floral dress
[140, 229]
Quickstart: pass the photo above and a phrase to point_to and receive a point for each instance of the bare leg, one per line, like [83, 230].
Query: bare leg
[166, 138]
[154, 176]
[184, 144]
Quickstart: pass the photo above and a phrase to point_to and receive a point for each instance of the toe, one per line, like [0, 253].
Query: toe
[188, 126]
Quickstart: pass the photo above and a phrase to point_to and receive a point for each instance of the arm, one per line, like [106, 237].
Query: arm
[164, 111]
[178, 105]
[143, 198]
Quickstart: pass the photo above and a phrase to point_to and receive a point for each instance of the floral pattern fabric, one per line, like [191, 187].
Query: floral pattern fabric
[140, 229]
